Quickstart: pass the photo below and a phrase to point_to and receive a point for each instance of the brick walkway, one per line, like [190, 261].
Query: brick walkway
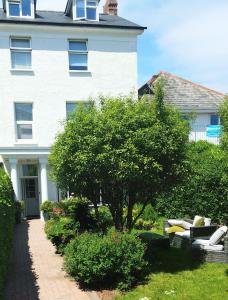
[36, 271]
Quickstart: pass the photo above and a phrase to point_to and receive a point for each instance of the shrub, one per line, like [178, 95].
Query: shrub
[7, 221]
[77, 209]
[204, 191]
[47, 206]
[104, 221]
[61, 231]
[115, 259]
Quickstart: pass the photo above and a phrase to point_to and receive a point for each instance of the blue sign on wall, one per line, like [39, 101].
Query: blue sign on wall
[214, 131]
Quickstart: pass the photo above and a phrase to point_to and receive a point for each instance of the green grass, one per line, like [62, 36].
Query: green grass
[174, 274]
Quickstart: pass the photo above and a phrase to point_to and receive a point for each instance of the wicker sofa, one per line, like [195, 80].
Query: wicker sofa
[203, 232]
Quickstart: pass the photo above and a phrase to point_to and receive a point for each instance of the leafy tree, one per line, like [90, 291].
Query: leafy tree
[224, 119]
[129, 150]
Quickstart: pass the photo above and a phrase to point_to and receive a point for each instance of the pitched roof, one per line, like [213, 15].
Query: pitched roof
[184, 94]
[60, 19]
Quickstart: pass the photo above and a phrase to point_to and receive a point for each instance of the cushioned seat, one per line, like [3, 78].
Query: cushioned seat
[185, 234]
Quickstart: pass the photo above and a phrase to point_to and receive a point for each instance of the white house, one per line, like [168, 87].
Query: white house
[191, 98]
[49, 61]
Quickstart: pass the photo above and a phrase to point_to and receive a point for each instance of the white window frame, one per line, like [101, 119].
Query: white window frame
[23, 122]
[20, 9]
[23, 50]
[78, 52]
[86, 6]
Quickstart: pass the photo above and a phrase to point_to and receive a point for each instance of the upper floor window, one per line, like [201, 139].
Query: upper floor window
[86, 9]
[215, 120]
[71, 107]
[78, 55]
[21, 53]
[20, 8]
[24, 120]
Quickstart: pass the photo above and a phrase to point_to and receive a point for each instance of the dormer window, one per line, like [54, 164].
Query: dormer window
[86, 9]
[21, 8]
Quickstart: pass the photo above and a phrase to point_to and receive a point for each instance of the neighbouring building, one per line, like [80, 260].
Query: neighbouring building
[49, 62]
[190, 98]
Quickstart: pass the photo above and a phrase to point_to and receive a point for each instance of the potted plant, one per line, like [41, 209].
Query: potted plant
[47, 208]
[19, 206]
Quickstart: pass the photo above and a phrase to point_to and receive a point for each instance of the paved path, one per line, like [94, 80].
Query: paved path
[36, 271]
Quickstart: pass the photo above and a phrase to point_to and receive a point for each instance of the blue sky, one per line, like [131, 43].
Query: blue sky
[184, 37]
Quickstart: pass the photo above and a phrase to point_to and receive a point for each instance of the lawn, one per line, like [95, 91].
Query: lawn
[174, 274]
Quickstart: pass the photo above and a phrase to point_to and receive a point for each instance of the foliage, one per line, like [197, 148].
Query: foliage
[175, 275]
[78, 210]
[6, 189]
[130, 150]
[47, 206]
[205, 189]
[113, 260]
[224, 121]
[61, 231]
[7, 221]
[103, 221]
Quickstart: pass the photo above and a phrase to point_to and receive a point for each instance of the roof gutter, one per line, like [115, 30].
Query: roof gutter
[25, 22]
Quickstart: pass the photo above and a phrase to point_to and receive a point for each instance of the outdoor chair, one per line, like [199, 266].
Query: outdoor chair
[184, 239]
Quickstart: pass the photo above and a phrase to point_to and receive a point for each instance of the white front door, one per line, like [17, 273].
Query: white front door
[31, 197]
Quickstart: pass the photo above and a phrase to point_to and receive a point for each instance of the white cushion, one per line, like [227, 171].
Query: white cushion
[214, 248]
[207, 221]
[185, 234]
[218, 235]
[196, 219]
[204, 245]
[201, 242]
[180, 223]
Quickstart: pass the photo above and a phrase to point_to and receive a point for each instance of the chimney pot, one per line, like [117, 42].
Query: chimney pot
[111, 7]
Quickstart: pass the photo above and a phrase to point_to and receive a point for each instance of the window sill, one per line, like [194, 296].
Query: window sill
[22, 70]
[79, 71]
[26, 142]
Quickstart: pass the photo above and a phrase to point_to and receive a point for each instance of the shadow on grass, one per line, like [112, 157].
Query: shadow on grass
[21, 279]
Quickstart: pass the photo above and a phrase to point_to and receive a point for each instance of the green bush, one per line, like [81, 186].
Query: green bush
[7, 221]
[6, 189]
[104, 221]
[113, 260]
[77, 209]
[47, 206]
[61, 231]
[204, 191]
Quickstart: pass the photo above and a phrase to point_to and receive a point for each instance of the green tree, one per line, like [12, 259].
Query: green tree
[224, 120]
[129, 150]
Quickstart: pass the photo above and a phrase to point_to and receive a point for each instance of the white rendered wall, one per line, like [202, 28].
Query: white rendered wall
[112, 71]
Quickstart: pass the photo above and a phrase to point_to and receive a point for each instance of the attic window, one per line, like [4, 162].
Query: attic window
[86, 9]
[20, 8]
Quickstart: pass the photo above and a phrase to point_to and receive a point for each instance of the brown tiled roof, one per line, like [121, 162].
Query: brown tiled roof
[184, 94]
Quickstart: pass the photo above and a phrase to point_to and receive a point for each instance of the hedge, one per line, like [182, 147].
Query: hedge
[7, 221]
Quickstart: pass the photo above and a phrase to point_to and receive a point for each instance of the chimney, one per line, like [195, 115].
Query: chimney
[111, 7]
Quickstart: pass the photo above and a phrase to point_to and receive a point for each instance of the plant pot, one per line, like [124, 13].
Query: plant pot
[46, 216]
[18, 217]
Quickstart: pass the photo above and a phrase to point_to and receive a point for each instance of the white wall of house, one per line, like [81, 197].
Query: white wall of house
[112, 71]
[199, 128]
[112, 63]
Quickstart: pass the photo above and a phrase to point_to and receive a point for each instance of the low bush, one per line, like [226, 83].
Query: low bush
[47, 207]
[61, 231]
[78, 210]
[113, 260]
[7, 221]
[103, 221]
